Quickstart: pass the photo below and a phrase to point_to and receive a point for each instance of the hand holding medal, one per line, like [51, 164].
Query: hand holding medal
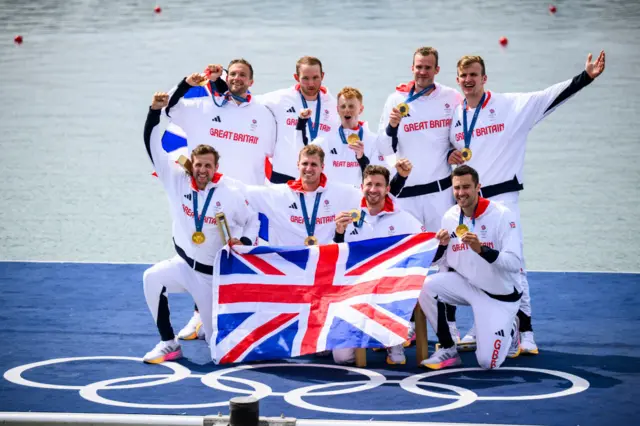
[213, 72]
[343, 219]
[197, 79]
[472, 241]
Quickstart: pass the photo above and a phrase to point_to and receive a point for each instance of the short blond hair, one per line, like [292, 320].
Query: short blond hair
[468, 60]
[426, 51]
[350, 93]
[310, 150]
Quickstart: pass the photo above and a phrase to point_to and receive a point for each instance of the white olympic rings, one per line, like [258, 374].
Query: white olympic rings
[413, 384]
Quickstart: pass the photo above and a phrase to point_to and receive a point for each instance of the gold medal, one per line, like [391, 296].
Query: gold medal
[353, 139]
[311, 241]
[355, 215]
[198, 237]
[461, 230]
[404, 109]
[466, 154]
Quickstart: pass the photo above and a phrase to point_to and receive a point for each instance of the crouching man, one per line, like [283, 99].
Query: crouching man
[480, 248]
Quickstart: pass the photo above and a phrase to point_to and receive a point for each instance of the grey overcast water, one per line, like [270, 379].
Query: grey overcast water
[75, 180]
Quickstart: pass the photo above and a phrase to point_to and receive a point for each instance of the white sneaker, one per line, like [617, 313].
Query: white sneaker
[443, 358]
[190, 331]
[395, 355]
[527, 344]
[200, 332]
[168, 350]
[514, 349]
[468, 342]
[470, 337]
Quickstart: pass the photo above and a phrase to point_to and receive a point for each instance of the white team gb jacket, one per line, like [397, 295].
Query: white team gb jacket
[500, 135]
[390, 221]
[495, 226]
[181, 188]
[244, 134]
[286, 104]
[281, 204]
[423, 136]
[341, 164]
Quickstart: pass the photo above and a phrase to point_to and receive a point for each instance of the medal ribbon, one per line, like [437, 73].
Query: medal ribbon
[468, 133]
[360, 221]
[313, 129]
[473, 217]
[344, 139]
[199, 220]
[311, 226]
[226, 97]
[413, 97]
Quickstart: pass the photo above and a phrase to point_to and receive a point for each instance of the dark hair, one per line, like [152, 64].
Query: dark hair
[204, 150]
[466, 170]
[371, 170]
[244, 62]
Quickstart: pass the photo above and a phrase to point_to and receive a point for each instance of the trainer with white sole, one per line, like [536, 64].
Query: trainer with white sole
[197, 197]
[480, 248]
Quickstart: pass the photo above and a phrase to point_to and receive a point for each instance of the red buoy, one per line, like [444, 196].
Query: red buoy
[157, 9]
[17, 39]
[504, 41]
[552, 8]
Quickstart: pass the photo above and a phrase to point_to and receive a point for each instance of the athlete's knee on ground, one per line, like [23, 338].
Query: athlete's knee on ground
[344, 356]
[493, 358]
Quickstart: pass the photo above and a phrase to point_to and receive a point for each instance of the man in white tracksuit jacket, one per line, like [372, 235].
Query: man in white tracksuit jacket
[480, 249]
[195, 201]
[489, 133]
[379, 216]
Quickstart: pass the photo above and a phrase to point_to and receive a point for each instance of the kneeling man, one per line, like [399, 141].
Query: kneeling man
[480, 248]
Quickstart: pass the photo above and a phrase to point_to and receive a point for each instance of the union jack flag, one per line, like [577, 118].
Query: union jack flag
[282, 302]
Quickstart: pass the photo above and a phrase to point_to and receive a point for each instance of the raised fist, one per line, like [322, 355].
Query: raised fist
[196, 79]
[160, 100]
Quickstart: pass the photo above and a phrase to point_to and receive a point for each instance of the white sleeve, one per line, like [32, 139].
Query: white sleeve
[384, 142]
[538, 105]
[510, 257]
[165, 166]
[261, 198]
[271, 148]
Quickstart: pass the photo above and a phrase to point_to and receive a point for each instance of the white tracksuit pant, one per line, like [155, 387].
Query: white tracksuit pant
[510, 200]
[176, 276]
[494, 319]
[428, 209]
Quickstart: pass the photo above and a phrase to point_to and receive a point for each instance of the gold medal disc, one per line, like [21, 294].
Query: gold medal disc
[404, 109]
[198, 237]
[466, 154]
[311, 241]
[353, 139]
[461, 230]
[355, 215]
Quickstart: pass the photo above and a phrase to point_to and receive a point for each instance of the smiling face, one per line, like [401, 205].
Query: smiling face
[310, 168]
[375, 190]
[204, 167]
[471, 79]
[424, 70]
[239, 79]
[465, 191]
